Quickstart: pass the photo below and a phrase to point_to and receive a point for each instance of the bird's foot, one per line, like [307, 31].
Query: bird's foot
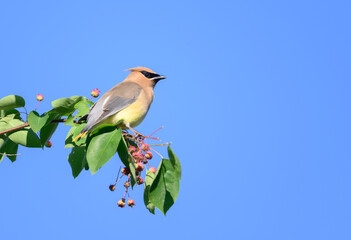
[141, 136]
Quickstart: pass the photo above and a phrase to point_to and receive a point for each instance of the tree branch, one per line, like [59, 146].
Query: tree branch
[26, 125]
[14, 128]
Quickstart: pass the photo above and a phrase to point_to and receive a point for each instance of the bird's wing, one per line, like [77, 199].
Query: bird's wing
[113, 101]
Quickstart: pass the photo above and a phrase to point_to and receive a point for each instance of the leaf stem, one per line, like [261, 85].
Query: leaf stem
[157, 152]
[118, 173]
[158, 145]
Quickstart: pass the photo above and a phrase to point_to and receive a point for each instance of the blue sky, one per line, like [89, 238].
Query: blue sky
[256, 104]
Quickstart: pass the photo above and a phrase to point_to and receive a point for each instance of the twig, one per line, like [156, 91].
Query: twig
[27, 124]
[14, 128]
[158, 145]
[63, 120]
[5, 154]
[157, 152]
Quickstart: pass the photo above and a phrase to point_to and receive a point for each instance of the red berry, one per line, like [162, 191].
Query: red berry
[112, 187]
[40, 97]
[121, 203]
[131, 148]
[145, 147]
[135, 155]
[139, 167]
[153, 170]
[131, 203]
[140, 180]
[127, 184]
[148, 155]
[95, 93]
[48, 144]
[125, 171]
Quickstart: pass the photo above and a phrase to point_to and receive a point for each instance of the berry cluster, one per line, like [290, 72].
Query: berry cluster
[140, 152]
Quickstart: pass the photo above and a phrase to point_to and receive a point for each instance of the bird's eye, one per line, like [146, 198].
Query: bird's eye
[149, 75]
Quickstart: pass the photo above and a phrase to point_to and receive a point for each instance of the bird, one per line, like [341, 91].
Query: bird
[126, 104]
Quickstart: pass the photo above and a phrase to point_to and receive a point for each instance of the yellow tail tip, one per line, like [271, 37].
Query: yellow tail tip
[80, 135]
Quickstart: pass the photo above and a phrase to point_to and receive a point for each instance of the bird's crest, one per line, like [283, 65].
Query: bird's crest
[139, 69]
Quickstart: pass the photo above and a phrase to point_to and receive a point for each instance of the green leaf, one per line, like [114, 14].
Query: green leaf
[10, 112]
[65, 106]
[127, 159]
[11, 101]
[77, 160]
[150, 176]
[3, 140]
[72, 134]
[48, 130]
[2, 155]
[102, 147]
[69, 120]
[11, 150]
[8, 148]
[175, 162]
[165, 187]
[36, 122]
[86, 167]
[82, 107]
[26, 137]
[4, 125]
[69, 137]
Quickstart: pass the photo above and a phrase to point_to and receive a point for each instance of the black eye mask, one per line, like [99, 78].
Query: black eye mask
[149, 74]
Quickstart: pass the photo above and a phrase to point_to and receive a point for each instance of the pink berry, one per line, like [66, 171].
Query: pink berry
[95, 93]
[131, 203]
[121, 203]
[131, 148]
[139, 167]
[148, 155]
[40, 97]
[48, 144]
[153, 170]
[125, 171]
[140, 180]
[112, 187]
[145, 147]
[127, 184]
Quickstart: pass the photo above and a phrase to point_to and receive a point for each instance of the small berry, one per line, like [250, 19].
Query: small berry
[148, 155]
[145, 147]
[48, 144]
[131, 203]
[135, 155]
[125, 171]
[40, 97]
[127, 184]
[145, 161]
[112, 187]
[153, 170]
[95, 93]
[121, 203]
[131, 148]
[140, 180]
[139, 167]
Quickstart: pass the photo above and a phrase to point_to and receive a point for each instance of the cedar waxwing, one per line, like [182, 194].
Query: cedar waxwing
[126, 104]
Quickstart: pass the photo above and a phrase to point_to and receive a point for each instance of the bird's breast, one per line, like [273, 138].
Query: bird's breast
[135, 113]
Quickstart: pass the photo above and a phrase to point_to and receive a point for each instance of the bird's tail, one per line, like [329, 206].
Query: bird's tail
[80, 135]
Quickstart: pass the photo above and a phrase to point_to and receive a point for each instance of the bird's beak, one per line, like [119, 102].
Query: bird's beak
[158, 78]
